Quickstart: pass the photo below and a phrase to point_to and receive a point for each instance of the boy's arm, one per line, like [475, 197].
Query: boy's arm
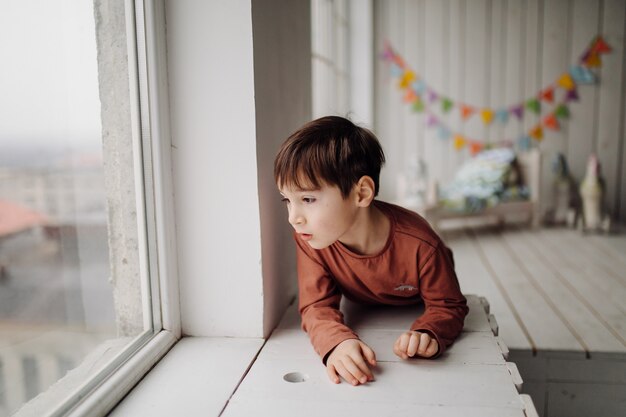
[445, 306]
[319, 300]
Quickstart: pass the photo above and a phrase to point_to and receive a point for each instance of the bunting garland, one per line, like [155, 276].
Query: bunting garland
[422, 98]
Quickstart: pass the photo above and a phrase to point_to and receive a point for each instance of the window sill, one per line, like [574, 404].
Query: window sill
[196, 377]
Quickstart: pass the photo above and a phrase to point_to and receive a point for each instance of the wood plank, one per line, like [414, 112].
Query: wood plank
[545, 326]
[581, 124]
[554, 62]
[496, 40]
[581, 321]
[605, 270]
[420, 382]
[434, 64]
[474, 278]
[456, 79]
[610, 102]
[179, 385]
[513, 65]
[312, 408]
[580, 284]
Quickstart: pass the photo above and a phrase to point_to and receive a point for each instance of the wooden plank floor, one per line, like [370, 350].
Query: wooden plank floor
[560, 301]
[550, 289]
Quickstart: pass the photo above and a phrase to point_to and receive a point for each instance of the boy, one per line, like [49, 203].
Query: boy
[372, 252]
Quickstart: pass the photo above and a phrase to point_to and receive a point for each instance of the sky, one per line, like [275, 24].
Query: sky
[48, 75]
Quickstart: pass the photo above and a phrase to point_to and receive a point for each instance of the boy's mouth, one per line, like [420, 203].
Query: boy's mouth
[306, 236]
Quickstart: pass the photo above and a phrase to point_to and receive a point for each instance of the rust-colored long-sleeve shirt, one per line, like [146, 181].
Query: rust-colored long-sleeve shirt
[413, 266]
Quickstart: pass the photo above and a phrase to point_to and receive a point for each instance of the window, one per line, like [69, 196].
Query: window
[86, 248]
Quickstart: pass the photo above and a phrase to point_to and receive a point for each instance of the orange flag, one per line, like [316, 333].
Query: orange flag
[466, 111]
[593, 60]
[410, 96]
[475, 147]
[551, 122]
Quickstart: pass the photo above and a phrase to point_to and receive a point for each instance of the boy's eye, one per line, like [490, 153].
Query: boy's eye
[308, 200]
[285, 200]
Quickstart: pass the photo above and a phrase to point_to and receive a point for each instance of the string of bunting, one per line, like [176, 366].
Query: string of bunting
[422, 98]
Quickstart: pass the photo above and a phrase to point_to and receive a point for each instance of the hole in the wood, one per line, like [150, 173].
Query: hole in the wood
[295, 377]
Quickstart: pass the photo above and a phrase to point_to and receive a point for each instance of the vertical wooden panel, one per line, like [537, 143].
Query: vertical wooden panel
[513, 65]
[411, 53]
[495, 76]
[476, 65]
[532, 56]
[456, 62]
[585, 26]
[610, 100]
[433, 75]
[554, 61]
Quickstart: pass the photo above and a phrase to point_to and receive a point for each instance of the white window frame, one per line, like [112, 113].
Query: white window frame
[145, 21]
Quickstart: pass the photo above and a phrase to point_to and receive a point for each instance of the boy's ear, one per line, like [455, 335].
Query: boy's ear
[365, 190]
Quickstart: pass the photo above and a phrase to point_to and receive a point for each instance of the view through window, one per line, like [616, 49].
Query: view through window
[70, 244]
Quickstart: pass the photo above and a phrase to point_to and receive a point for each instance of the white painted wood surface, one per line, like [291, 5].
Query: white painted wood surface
[500, 53]
[196, 378]
[471, 378]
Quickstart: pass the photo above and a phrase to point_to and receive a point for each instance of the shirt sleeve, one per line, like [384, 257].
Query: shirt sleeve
[445, 306]
[319, 299]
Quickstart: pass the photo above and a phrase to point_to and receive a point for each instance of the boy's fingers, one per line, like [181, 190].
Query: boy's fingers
[432, 348]
[332, 373]
[423, 343]
[404, 342]
[369, 354]
[345, 374]
[360, 363]
[414, 343]
[353, 368]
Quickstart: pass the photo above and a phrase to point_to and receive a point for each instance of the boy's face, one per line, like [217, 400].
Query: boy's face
[321, 216]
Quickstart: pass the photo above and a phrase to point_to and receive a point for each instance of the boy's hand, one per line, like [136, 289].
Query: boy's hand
[350, 359]
[411, 343]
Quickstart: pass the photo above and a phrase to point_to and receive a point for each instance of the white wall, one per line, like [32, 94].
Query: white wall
[282, 77]
[240, 83]
[495, 53]
[211, 80]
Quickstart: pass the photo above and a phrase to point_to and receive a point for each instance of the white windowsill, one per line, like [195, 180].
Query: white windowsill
[196, 377]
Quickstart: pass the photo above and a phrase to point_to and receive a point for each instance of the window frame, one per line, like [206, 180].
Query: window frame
[146, 43]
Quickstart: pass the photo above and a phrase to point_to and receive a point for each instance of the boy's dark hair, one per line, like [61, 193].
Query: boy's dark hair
[330, 150]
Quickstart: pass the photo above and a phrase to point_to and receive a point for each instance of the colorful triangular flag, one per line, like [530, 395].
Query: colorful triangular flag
[534, 105]
[582, 75]
[562, 112]
[466, 111]
[551, 122]
[486, 115]
[566, 82]
[459, 142]
[446, 104]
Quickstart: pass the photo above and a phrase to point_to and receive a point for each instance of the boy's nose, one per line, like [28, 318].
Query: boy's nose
[295, 218]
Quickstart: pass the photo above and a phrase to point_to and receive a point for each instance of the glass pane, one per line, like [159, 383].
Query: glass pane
[69, 260]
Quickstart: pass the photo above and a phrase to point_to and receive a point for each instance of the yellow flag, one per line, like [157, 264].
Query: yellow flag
[459, 142]
[407, 79]
[566, 81]
[487, 115]
[537, 133]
